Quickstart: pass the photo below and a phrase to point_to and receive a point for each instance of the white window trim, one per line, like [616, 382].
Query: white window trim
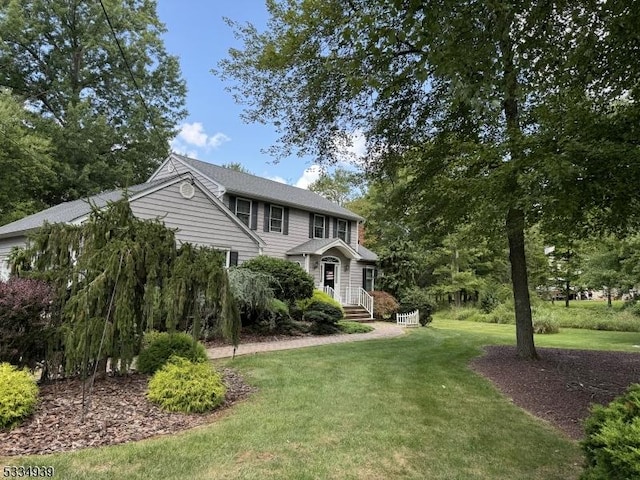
[250, 209]
[346, 229]
[373, 276]
[315, 215]
[271, 217]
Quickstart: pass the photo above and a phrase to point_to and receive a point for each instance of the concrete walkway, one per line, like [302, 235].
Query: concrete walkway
[382, 330]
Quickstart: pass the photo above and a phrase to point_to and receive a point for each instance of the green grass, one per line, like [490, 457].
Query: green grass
[575, 338]
[354, 327]
[403, 408]
[591, 315]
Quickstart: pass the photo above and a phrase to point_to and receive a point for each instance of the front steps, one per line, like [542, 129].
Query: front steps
[355, 313]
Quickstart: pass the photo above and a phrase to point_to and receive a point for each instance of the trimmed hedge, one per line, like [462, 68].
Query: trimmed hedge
[324, 317]
[18, 395]
[184, 386]
[162, 345]
[318, 296]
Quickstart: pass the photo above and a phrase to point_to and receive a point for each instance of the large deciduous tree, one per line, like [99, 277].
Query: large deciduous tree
[62, 58]
[24, 160]
[449, 94]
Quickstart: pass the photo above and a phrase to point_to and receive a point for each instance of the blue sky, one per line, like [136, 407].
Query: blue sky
[214, 131]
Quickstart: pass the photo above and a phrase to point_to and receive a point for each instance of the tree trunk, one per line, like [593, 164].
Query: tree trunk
[524, 324]
[567, 288]
[609, 297]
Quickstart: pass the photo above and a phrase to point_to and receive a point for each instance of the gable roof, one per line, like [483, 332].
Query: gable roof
[67, 212]
[240, 183]
[319, 246]
[78, 210]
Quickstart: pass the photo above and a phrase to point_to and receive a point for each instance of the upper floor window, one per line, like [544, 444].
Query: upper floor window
[341, 228]
[318, 226]
[243, 210]
[276, 216]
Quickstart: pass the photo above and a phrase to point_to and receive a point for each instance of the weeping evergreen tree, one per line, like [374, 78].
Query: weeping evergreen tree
[111, 275]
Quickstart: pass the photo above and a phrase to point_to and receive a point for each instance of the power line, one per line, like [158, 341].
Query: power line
[135, 84]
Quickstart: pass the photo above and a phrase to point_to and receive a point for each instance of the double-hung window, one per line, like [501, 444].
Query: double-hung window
[318, 226]
[276, 215]
[341, 227]
[243, 210]
[368, 278]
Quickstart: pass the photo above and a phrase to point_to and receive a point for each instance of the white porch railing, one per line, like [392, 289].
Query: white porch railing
[361, 298]
[332, 293]
[411, 319]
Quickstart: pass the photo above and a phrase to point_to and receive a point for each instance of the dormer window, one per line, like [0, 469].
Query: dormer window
[243, 210]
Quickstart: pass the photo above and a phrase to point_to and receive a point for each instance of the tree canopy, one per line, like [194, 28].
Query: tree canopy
[472, 104]
[61, 57]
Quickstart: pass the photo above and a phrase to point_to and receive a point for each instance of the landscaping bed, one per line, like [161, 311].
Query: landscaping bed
[562, 385]
[119, 413]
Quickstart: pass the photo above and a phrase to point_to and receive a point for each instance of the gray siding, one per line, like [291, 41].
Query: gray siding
[164, 172]
[6, 245]
[277, 244]
[198, 220]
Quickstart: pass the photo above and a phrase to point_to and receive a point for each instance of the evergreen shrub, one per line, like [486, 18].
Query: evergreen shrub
[418, 299]
[612, 439]
[318, 296]
[289, 281]
[18, 395]
[385, 305]
[324, 317]
[188, 387]
[163, 345]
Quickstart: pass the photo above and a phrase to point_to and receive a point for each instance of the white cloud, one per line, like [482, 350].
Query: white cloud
[309, 176]
[352, 149]
[278, 179]
[193, 135]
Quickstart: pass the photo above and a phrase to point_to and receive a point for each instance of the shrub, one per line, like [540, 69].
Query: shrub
[277, 319]
[418, 299]
[544, 322]
[503, 314]
[324, 317]
[318, 296]
[24, 320]
[354, 327]
[18, 395]
[288, 279]
[612, 439]
[488, 302]
[184, 386]
[384, 305]
[253, 294]
[164, 345]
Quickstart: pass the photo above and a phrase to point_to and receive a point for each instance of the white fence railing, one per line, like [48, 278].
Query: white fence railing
[361, 298]
[332, 293]
[411, 319]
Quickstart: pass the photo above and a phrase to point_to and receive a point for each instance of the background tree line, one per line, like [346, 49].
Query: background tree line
[86, 104]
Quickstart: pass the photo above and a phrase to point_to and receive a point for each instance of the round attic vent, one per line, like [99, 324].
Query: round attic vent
[187, 190]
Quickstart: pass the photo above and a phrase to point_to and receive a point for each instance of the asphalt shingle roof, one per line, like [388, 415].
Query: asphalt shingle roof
[264, 189]
[69, 211]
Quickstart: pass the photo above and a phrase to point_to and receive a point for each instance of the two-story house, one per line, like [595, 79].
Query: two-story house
[241, 214]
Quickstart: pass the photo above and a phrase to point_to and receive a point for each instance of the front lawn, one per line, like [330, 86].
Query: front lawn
[401, 408]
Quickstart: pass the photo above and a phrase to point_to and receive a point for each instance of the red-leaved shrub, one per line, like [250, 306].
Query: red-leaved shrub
[24, 320]
[384, 305]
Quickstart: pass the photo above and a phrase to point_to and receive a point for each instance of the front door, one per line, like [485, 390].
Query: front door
[330, 275]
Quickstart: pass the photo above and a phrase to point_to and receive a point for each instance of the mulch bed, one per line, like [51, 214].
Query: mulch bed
[562, 385]
[119, 413]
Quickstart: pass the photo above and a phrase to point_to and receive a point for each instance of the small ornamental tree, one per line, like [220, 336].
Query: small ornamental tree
[111, 275]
